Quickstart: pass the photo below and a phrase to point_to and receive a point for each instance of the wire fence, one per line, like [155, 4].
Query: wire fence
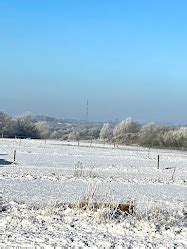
[98, 144]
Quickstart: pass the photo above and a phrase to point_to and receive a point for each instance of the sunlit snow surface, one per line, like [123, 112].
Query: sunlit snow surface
[48, 172]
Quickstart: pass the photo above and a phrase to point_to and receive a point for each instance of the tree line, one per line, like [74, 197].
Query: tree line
[127, 131]
[130, 132]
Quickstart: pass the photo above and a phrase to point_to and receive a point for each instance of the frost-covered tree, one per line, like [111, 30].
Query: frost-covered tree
[74, 136]
[163, 136]
[42, 129]
[126, 132]
[7, 125]
[126, 126]
[87, 133]
[55, 135]
[25, 127]
[106, 132]
[175, 138]
[148, 134]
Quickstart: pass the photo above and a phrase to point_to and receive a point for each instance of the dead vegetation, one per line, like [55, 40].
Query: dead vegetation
[122, 208]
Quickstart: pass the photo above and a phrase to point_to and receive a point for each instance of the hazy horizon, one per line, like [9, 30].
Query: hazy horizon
[128, 58]
[117, 120]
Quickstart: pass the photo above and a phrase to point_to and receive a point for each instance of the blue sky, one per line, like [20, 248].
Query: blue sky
[128, 57]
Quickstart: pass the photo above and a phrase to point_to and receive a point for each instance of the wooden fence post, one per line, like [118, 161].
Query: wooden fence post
[158, 166]
[14, 156]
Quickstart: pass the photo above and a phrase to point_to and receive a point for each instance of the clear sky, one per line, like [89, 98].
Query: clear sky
[128, 57]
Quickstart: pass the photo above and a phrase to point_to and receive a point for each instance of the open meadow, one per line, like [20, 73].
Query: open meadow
[59, 194]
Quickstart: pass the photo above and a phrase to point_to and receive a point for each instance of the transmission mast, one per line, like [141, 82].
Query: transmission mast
[87, 110]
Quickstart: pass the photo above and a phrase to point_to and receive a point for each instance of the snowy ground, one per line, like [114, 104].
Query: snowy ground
[48, 174]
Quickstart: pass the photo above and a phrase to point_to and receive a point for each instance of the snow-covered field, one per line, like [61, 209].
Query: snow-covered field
[47, 175]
